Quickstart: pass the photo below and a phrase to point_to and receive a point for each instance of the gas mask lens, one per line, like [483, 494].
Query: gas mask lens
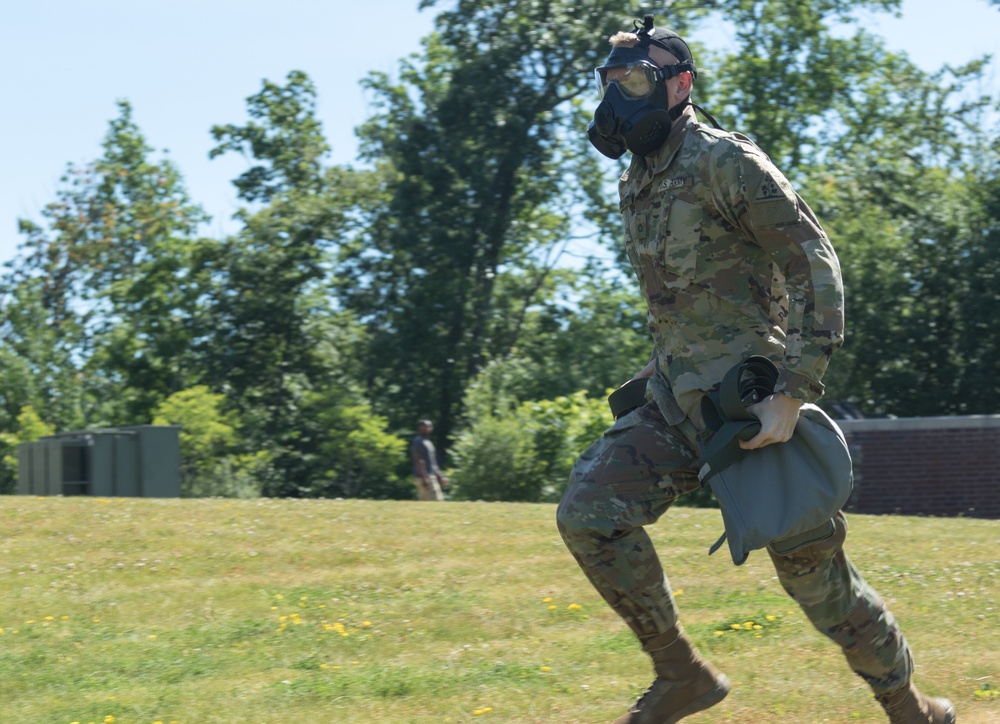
[636, 80]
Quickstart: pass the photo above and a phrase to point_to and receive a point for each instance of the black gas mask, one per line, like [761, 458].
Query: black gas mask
[634, 114]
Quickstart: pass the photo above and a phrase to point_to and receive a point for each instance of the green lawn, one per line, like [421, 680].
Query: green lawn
[298, 611]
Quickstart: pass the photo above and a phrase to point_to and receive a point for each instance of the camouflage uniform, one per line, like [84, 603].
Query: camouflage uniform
[731, 263]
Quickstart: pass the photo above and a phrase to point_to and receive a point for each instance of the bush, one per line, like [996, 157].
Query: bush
[520, 451]
[211, 464]
[30, 427]
[360, 457]
[495, 459]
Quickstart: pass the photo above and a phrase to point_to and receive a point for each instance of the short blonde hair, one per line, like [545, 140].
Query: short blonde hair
[623, 40]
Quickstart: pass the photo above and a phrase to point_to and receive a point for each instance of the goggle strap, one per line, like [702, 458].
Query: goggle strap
[671, 71]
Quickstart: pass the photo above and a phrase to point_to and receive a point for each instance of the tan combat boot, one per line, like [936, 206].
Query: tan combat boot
[685, 683]
[907, 705]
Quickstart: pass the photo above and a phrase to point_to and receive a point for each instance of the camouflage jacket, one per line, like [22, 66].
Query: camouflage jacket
[731, 263]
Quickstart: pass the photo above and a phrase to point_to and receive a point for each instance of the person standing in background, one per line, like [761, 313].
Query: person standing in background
[431, 482]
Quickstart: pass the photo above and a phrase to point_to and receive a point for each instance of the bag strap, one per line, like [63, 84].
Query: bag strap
[724, 412]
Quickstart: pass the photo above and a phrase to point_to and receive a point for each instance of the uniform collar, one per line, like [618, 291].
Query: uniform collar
[643, 168]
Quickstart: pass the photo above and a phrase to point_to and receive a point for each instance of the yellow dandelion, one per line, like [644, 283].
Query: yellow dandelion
[50, 618]
[545, 668]
[771, 618]
[324, 666]
[552, 608]
[735, 626]
[720, 633]
[366, 624]
[279, 597]
[574, 607]
[109, 719]
[757, 627]
[679, 592]
[547, 599]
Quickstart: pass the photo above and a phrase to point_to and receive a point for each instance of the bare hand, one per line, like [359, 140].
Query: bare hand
[778, 414]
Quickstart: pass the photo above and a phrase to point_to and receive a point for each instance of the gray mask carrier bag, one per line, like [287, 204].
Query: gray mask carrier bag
[783, 495]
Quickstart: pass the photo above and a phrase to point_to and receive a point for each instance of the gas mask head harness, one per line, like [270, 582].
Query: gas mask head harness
[634, 113]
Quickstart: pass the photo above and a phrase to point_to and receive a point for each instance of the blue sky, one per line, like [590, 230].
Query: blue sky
[189, 64]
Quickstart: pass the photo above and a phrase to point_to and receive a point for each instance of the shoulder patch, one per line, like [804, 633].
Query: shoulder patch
[770, 198]
[768, 190]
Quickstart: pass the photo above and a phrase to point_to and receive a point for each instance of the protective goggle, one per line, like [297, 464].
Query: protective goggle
[637, 79]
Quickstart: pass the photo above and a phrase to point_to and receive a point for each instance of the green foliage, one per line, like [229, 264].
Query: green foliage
[29, 428]
[211, 466]
[105, 303]
[360, 456]
[517, 450]
[914, 237]
[275, 323]
[495, 460]
[288, 143]
[489, 172]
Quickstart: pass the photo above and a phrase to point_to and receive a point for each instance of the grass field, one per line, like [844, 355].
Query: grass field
[298, 611]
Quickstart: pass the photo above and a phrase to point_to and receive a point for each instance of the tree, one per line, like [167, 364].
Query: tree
[912, 233]
[272, 312]
[108, 291]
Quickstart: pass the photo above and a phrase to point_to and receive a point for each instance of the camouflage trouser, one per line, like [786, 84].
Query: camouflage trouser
[629, 478]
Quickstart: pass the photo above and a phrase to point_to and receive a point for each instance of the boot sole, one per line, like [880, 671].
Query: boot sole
[709, 699]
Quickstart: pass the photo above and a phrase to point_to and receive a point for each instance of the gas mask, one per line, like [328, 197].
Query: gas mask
[633, 114]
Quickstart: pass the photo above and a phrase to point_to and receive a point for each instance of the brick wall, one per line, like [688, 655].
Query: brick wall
[926, 466]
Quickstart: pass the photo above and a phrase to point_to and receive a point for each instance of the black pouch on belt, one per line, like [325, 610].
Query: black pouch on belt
[628, 397]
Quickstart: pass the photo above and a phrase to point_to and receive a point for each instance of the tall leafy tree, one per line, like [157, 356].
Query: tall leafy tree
[273, 323]
[905, 200]
[108, 290]
[485, 154]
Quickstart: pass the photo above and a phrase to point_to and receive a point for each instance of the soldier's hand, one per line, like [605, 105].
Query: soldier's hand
[778, 414]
